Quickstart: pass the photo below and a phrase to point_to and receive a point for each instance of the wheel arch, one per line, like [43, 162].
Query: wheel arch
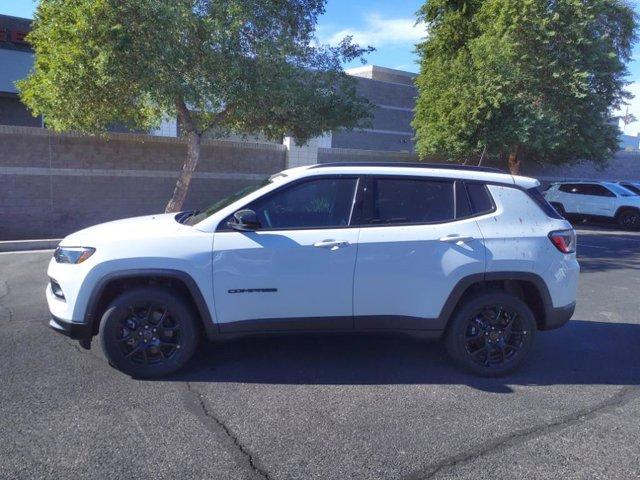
[622, 208]
[528, 286]
[110, 285]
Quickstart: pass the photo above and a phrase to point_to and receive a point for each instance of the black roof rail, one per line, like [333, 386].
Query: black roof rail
[442, 166]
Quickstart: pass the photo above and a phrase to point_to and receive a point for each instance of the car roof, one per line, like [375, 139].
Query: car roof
[462, 172]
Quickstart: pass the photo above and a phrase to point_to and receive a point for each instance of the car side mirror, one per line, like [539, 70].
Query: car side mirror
[245, 221]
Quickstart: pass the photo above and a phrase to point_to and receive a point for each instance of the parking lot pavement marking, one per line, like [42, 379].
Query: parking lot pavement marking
[25, 251]
[592, 246]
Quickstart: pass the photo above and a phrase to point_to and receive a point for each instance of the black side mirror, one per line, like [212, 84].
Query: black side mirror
[245, 221]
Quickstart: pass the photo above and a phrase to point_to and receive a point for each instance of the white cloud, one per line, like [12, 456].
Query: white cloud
[634, 109]
[379, 31]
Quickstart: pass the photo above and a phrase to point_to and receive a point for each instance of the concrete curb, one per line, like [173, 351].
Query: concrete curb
[25, 245]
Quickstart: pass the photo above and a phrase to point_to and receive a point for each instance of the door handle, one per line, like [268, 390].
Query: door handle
[331, 244]
[456, 239]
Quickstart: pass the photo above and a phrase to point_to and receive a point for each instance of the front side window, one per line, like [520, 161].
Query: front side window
[408, 200]
[599, 191]
[318, 203]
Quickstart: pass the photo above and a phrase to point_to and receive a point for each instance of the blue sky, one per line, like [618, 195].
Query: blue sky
[387, 25]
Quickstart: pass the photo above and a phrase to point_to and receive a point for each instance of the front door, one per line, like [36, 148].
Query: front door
[296, 271]
[596, 200]
[419, 243]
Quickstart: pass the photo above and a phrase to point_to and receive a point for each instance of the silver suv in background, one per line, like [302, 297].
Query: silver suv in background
[596, 199]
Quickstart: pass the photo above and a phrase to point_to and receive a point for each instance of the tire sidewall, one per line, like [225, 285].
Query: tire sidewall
[119, 308]
[625, 213]
[455, 336]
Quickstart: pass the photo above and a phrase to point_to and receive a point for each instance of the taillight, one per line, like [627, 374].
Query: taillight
[564, 240]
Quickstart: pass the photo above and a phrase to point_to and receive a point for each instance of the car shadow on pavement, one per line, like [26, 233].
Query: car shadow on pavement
[582, 352]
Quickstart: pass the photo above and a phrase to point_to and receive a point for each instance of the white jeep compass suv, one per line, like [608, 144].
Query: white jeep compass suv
[596, 199]
[469, 254]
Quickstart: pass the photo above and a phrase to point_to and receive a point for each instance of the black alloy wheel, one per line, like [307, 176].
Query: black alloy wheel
[494, 336]
[148, 332]
[629, 219]
[491, 333]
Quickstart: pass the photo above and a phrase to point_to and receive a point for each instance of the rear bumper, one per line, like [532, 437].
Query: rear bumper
[557, 316]
[76, 331]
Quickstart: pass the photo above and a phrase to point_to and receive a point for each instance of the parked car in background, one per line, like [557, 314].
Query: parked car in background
[633, 186]
[472, 255]
[608, 200]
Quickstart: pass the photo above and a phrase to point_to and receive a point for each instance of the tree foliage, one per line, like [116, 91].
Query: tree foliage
[226, 66]
[524, 78]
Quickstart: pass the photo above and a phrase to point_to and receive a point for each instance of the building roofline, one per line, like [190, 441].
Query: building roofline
[16, 18]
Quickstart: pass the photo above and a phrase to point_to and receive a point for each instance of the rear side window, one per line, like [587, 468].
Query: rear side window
[408, 200]
[536, 195]
[570, 188]
[480, 198]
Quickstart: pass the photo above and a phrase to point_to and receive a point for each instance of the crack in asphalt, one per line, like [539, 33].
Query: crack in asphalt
[224, 433]
[619, 399]
[4, 292]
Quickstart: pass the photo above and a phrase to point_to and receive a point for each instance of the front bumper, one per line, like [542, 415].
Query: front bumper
[556, 317]
[76, 331]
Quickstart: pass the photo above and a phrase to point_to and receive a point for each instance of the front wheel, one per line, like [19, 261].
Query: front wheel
[629, 219]
[148, 332]
[491, 334]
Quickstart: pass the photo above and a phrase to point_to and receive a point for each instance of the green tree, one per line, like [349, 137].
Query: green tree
[231, 66]
[535, 79]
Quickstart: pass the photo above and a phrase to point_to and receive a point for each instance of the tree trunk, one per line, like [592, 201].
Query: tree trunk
[514, 162]
[182, 185]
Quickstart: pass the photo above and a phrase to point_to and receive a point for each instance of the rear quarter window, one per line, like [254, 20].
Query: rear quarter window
[480, 198]
[537, 196]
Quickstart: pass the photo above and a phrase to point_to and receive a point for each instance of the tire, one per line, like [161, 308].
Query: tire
[148, 332]
[629, 219]
[479, 342]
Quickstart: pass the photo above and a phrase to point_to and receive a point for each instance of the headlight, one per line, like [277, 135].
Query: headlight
[72, 254]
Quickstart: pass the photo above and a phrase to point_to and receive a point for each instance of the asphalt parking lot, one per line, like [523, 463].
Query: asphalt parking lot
[331, 407]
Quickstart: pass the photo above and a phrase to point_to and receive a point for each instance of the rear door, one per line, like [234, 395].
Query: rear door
[569, 195]
[417, 240]
[296, 271]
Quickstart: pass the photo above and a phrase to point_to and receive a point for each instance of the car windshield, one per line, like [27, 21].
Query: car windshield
[620, 190]
[225, 202]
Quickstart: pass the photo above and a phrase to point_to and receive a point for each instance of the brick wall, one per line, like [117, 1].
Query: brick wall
[54, 184]
[624, 166]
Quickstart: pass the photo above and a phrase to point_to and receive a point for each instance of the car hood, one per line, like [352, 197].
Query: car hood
[129, 228]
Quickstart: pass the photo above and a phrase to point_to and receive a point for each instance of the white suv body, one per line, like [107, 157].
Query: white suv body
[335, 247]
[596, 199]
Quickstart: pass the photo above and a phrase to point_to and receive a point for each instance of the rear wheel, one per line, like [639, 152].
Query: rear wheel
[148, 333]
[491, 334]
[629, 219]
